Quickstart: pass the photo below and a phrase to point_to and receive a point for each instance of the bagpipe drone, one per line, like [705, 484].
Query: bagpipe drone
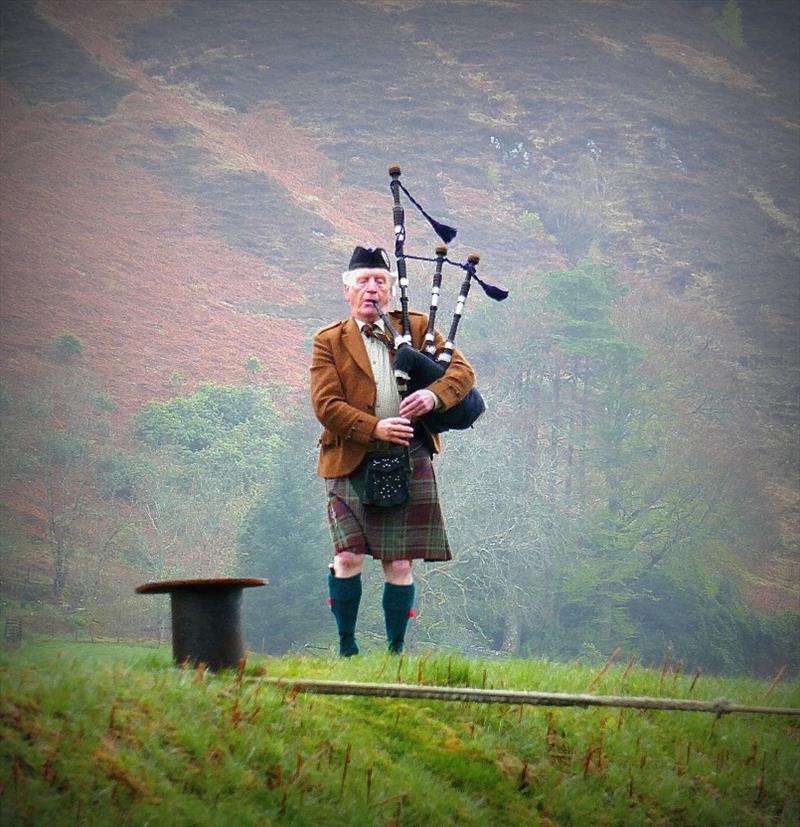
[416, 369]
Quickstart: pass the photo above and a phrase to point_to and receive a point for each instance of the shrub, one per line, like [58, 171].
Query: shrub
[531, 222]
[729, 25]
[66, 347]
[104, 402]
[252, 365]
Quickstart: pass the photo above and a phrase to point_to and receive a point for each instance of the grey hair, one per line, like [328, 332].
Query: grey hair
[349, 276]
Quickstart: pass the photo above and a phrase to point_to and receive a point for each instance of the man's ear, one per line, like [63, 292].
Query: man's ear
[347, 291]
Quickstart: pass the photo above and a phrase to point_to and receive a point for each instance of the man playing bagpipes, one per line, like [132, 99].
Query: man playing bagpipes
[381, 428]
[356, 398]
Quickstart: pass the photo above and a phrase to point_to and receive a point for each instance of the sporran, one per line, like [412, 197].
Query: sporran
[383, 479]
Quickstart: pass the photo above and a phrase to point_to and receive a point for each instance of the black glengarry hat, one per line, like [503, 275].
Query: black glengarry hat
[369, 258]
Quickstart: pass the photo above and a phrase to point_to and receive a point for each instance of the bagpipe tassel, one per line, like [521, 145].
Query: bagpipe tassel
[496, 293]
[446, 233]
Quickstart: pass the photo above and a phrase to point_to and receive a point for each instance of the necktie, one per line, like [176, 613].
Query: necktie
[372, 331]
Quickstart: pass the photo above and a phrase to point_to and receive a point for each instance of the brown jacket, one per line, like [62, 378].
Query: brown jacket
[343, 390]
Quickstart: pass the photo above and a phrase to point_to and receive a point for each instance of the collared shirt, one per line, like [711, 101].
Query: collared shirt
[387, 397]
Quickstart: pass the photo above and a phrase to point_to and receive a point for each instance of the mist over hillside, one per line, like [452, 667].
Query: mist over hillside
[183, 180]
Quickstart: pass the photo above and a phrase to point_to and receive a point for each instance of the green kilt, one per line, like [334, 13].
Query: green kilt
[412, 531]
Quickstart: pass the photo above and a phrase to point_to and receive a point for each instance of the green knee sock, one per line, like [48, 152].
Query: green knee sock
[345, 595]
[397, 609]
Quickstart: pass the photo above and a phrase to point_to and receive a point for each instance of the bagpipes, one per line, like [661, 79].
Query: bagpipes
[416, 369]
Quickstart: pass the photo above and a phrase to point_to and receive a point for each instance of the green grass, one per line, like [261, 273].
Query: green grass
[104, 734]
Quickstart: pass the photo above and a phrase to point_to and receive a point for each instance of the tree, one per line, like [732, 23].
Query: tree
[252, 365]
[603, 487]
[208, 455]
[52, 440]
[503, 495]
[284, 538]
[66, 348]
[728, 25]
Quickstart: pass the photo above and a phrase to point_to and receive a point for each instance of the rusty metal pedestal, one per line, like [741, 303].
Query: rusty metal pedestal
[206, 618]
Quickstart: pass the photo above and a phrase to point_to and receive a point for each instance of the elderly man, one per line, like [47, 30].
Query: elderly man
[355, 397]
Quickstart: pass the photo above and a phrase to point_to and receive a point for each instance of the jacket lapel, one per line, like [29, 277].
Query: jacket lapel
[354, 343]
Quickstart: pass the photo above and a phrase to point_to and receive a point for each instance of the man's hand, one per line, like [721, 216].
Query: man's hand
[418, 403]
[395, 429]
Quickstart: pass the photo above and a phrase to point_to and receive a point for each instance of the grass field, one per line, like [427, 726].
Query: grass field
[112, 734]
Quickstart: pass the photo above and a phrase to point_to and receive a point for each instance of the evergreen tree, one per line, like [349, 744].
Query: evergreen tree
[284, 538]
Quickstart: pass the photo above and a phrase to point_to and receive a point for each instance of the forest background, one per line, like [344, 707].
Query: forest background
[182, 183]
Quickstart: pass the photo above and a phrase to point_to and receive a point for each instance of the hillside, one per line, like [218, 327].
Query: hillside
[182, 183]
[99, 734]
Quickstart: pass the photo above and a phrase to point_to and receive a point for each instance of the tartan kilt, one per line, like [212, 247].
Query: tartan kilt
[412, 531]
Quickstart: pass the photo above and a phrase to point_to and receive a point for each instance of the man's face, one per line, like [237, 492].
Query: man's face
[370, 286]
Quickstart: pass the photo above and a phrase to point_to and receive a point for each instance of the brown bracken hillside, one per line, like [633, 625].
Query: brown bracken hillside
[182, 181]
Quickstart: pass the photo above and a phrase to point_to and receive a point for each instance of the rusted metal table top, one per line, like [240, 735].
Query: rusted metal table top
[164, 586]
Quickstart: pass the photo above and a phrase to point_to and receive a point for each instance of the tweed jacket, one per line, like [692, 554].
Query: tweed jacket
[343, 391]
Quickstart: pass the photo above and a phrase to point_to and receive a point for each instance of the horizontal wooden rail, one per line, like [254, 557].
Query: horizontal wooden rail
[506, 696]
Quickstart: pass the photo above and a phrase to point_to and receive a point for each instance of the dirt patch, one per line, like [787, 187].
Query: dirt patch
[711, 67]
